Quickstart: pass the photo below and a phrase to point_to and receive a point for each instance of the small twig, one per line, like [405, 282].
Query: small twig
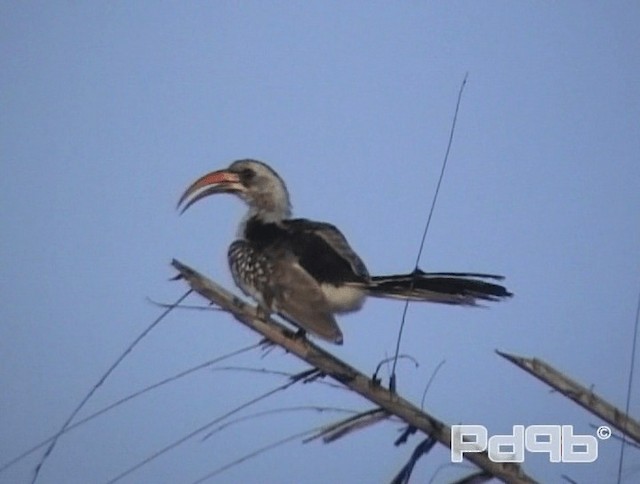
[204, 427]
[447, 465]
[255, 453]
[100, 382]
[421, 449]
[632, 365]
[276, 411]
[209, 307]
[126, 399]
[392, 358]
[360, 420]
[392, 380]
[431, 379]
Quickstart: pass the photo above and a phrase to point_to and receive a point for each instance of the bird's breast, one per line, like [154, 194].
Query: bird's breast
[250, 269]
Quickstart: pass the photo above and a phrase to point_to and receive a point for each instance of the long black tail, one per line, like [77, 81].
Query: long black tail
[461, 288]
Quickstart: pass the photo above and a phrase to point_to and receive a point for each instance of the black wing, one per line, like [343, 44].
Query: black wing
[321, 248]
[324, 251]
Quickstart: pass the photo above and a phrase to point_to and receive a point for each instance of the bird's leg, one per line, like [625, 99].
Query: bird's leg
[264, 307]
[263, 312]
[300, 334]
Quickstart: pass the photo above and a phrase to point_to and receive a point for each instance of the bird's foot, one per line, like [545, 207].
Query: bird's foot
[301, 334]
[262, 312]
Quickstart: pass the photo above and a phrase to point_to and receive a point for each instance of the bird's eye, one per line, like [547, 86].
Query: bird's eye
[246, 175]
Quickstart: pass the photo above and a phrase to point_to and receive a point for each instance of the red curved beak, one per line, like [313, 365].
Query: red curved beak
[220, 181]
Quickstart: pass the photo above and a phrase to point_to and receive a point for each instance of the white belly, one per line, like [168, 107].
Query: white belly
[344, 298]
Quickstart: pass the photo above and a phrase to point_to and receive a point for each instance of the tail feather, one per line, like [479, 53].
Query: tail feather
[478, 275]
[460, 288]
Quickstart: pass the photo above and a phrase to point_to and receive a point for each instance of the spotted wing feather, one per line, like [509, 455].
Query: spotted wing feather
[274, 278]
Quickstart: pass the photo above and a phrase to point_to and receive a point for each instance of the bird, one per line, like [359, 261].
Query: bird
[306, 271]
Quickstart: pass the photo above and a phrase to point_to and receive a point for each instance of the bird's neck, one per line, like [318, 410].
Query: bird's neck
[270, 205]
[255, 217]
[263, 234]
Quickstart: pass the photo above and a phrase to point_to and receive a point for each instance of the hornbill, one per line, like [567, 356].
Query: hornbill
[306, 271]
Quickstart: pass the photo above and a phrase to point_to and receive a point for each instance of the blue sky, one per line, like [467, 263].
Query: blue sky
[110, 109]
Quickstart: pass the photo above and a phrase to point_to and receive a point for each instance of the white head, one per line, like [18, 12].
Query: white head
[253, 181]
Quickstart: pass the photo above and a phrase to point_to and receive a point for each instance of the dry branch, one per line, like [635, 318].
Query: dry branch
[341, 372]
[578, 393]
